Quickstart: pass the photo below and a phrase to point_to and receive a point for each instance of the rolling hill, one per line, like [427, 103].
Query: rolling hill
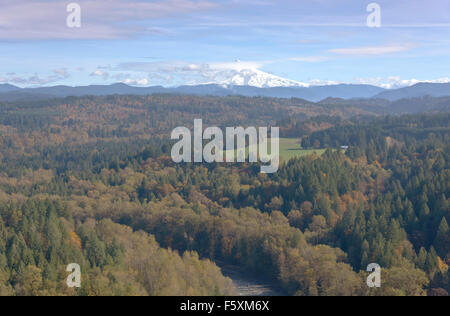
[312, 93]
[418, 90]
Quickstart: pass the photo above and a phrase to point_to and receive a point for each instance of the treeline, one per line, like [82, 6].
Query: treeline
[90, 157]
[262, 243]
[39, 238]
[382, 132]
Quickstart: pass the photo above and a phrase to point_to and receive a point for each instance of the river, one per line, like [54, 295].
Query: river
[247, 284]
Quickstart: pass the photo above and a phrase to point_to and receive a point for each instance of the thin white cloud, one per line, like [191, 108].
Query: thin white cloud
[56, 75]
[319, 82]
[137, 82]
[100, 73]
[372, 50]
[106, 19]
[62, 72]
[396, 82]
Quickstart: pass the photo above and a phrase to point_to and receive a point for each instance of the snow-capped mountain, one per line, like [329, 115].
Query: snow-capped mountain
[259, 79]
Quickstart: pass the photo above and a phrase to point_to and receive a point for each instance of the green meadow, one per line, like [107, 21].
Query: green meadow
[290, 148]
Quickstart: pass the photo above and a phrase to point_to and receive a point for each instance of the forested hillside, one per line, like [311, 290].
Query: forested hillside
[89, 180]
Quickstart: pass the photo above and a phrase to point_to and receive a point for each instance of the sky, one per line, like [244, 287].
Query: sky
[178, 42]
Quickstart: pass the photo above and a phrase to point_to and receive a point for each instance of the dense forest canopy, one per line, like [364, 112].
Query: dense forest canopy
[90, 180]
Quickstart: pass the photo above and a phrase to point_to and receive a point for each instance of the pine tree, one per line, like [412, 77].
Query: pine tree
[422, 258]
[432, 264]
[365, 249]
[442, 241]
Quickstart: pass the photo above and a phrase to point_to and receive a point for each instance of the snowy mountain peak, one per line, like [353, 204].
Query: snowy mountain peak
[259, 79]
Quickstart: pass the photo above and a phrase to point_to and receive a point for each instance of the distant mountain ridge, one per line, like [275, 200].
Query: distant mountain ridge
[417, 90]
[5, 88]
[313, 93]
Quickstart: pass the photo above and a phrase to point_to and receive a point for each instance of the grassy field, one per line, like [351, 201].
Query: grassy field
[291, 148]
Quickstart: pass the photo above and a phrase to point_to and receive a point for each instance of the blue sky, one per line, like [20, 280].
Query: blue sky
[211, 41]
